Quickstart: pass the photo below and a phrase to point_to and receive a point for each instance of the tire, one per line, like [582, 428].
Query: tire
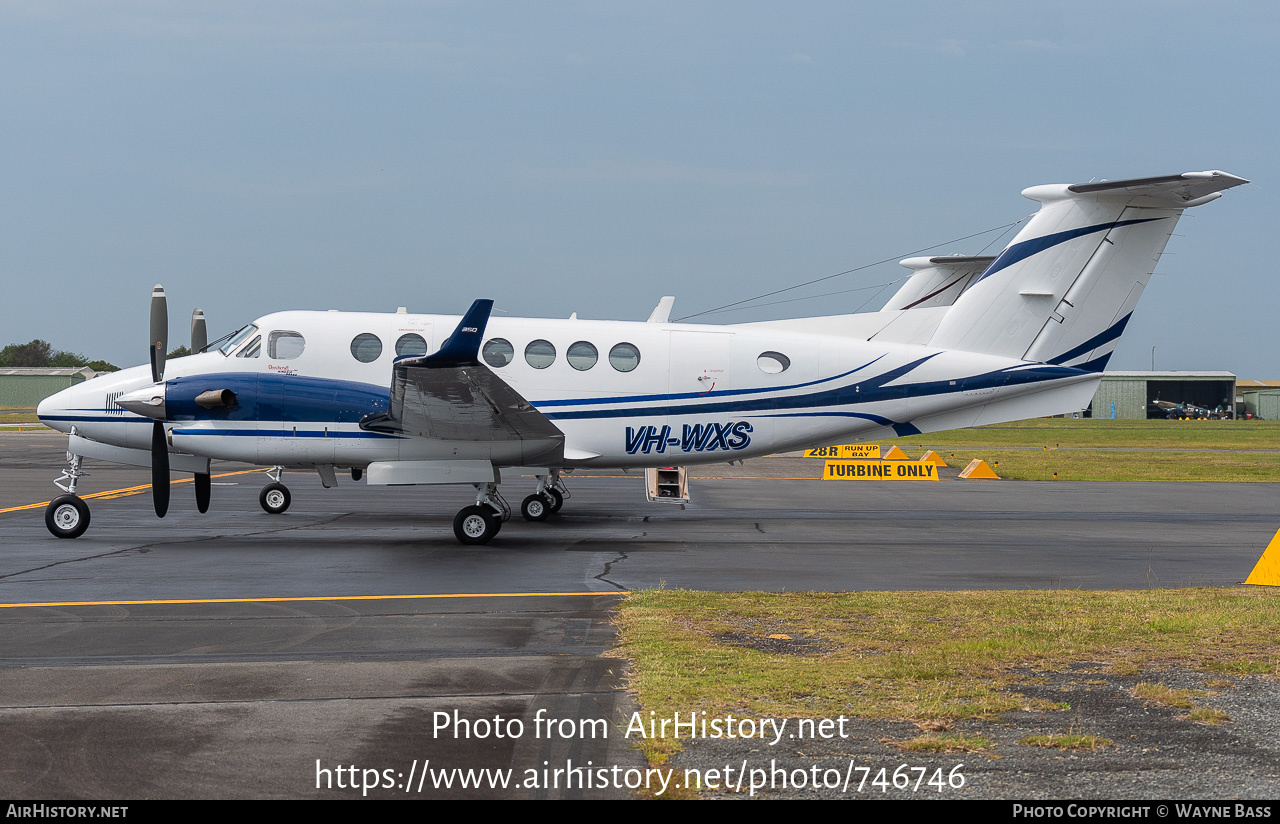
[535, 508]
[476, 525]
[67, 516]
[274, 498]
[557, 500]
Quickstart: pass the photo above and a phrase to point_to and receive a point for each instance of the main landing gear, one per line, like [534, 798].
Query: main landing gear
[274, 497]
[479, 523]
[67, 516]
[546, 500]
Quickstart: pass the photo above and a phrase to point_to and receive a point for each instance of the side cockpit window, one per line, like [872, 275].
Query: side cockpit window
[235, 339]
[284, 345]
[252, 349]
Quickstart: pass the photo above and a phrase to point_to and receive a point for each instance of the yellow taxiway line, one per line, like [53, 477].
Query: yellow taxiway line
[132, 490]
[309, 598]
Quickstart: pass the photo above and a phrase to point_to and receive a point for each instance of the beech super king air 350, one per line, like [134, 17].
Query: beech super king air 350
[429, 399]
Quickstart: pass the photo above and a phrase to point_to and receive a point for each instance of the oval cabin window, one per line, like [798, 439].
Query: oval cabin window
[498, 352]
[624, 357]
[540, 354]
[772, 363]
[582, 356]
[366, 347]
[411, 344]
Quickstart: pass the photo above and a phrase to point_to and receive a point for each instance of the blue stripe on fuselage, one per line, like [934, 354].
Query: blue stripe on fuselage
[688, 395]
[282, 433]
[872, 390]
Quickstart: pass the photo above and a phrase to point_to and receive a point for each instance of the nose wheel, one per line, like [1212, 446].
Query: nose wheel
[67, 516]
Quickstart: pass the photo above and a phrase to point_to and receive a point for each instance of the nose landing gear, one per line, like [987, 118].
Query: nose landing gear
[67, 516]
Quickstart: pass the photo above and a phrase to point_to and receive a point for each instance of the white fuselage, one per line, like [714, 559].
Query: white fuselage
[697, 394]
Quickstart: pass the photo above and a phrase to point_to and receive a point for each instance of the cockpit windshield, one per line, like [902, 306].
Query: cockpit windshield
[237, 338]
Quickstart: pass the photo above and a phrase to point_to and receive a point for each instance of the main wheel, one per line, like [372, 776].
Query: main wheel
[67, 516]
[274, 498]
[556, 500]
[535, 508]
[476, 525]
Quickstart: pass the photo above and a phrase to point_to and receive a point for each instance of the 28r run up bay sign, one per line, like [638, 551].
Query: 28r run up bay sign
[847, 451]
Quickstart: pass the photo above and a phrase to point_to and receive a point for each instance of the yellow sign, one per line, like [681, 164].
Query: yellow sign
[879, 471]
[846, 452]
[895, 454]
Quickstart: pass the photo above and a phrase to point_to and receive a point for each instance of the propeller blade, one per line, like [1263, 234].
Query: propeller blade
[199, 336]
[159, 470]
[159, 331]
[203, 487]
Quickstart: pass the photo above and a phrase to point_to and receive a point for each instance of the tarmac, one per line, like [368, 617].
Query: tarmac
[238, 654]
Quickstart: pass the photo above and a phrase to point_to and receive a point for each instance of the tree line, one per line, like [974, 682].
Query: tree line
[41, 353]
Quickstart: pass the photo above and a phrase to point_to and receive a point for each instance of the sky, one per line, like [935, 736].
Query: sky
[591, 157]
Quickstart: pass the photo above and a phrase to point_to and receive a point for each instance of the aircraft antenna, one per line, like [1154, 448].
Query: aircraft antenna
[737, 304]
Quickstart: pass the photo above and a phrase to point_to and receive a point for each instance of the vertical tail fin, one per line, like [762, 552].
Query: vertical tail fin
[1063, 290]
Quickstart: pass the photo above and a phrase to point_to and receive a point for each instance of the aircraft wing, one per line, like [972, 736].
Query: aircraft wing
[451, 395]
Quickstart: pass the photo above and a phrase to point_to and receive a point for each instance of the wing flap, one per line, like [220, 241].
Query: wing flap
[463, 403]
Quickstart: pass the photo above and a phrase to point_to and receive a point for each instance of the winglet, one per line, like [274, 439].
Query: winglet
[462, 348]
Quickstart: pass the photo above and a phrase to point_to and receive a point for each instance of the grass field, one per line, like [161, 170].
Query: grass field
[1107, 450]
[926, 656]
[19, 417]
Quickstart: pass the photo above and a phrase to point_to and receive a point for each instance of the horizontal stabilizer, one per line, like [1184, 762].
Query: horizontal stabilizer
[1184, 190]
[936, 281]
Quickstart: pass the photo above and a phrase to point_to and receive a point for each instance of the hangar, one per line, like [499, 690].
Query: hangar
[25, 386]
[1139, 395]
[1258, 399]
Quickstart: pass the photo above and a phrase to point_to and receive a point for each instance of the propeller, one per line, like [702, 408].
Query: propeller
[159, 470]
[152, 403]
[159, 332]
[159, 449]
[200, 342]
[199, 337]
[203, 487]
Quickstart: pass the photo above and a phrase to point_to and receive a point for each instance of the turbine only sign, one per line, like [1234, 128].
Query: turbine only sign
[879, 471]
